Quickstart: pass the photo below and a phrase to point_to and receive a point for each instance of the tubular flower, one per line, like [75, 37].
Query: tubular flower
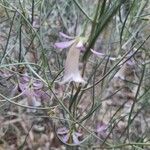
[71, 72]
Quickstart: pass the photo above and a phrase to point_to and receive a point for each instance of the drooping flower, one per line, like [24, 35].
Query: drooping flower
[71, 71]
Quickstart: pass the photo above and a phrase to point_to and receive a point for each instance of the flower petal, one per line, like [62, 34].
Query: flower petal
[37, 84]
[24, 79]
[66, 36]
[78, 134]
[75, 139]
[63, 45]
[23, 86]
[65, 138]
[101, 55]
[72, 77]
[62, 131]
[97, 53]
[77, 78]
[101, 128]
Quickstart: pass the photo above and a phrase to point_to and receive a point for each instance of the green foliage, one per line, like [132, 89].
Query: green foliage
[110, 110]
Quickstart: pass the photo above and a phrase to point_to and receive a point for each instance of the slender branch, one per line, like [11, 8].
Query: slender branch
[82, 10]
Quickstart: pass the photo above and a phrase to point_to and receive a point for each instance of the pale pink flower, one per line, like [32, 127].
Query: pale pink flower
[71, 72]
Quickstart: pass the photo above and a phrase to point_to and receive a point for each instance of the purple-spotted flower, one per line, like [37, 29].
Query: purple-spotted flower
[71, 72]
[31, 89]
[69, 137]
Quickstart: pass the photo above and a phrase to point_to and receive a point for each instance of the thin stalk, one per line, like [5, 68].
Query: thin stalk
[104, 72]
[102, 9]
[32, 14]
[103, 22]
[123, 25]
[10, 100]
[136, 97]
[74, 97]
[115, 123]
[82, 10]
[123, 132]
[11, 25]
[94, 21]
[20, 41]
[82, 92]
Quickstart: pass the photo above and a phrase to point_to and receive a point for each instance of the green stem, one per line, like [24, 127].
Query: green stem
[119, 62]
[82, 10]
[135, 99]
